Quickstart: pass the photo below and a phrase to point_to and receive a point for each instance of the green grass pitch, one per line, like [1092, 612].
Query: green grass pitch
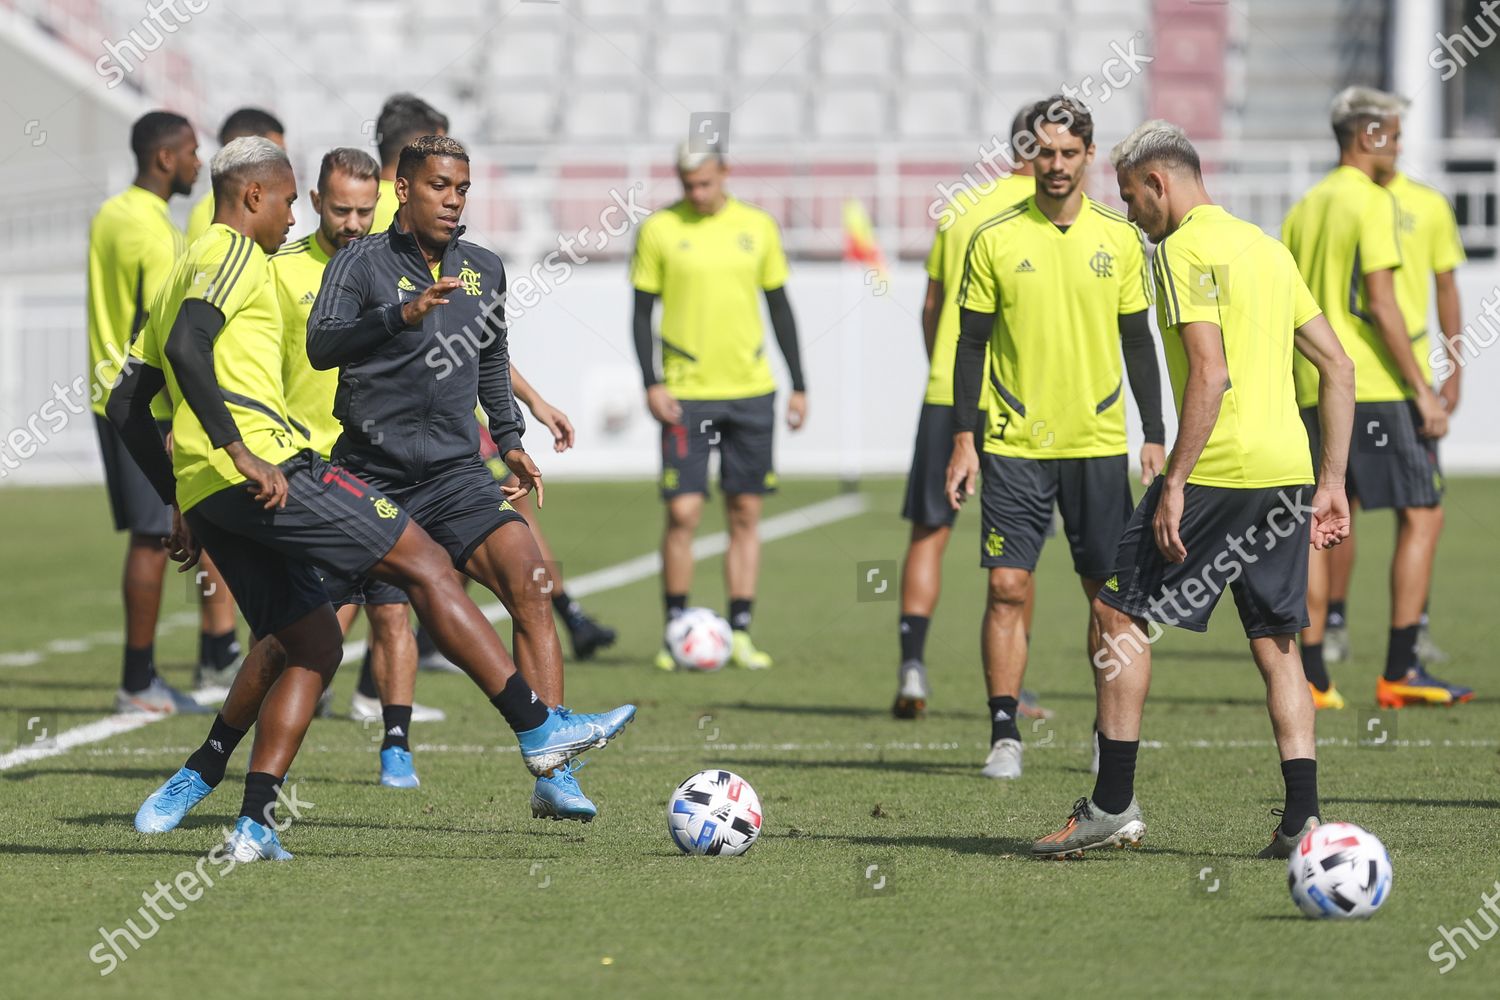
[454, 890]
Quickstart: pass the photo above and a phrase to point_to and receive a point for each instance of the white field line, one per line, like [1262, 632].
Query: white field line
[631, 570]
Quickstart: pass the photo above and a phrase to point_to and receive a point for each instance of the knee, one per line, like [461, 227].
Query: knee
[682, 518]
[1008, 589]
[389, 623]
[1109, 619]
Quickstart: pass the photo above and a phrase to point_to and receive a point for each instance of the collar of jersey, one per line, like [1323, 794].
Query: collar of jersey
[404, 242]
[136, 191]
[1041, 216]
[1197, 210]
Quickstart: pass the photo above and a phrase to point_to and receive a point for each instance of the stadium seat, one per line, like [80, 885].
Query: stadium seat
[770, 114]
[941, 52]
[853, 53]
[691, 52]
[525, 55]
[602, 114]
[770, 48]
[608, 52]
[937, 112]
[847, 113]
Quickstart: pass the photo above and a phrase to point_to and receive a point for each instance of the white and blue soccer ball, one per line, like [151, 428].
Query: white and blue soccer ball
[698, 639]
[1339, 871]
[714, 812]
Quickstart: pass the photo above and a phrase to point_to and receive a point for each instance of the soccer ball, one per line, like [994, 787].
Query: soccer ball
[698, 639]
[714, 812]
[1339, 871]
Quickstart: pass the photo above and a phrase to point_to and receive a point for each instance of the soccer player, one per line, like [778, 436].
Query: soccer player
[709, 257]
[1232, 509]
[1344, 234]
[1430, 253]
[240, 123]
[132, 244]
[926, 505]
[402, 118]
[345, 202]
[1056, 287]
[248, 488]
[413, 317]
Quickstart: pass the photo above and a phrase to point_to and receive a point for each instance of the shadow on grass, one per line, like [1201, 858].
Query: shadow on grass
[206, 821]
[151, 774]
[833, 711]
[908, 766]
[1440, 803]
[53, 849]
[1159, 699]
[990, 846]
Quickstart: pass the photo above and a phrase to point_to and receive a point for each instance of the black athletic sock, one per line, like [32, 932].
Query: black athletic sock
[567, 609]
[522, 709]
[914, 637]
[1115, 785]
[1301, 778]
[1338, 615]
[1401, 652]
[1313, 667]
[366, 685]
[739, 613]
[218, 651]
[212, 757]
[1003, 719]
[260, 797]
[397, 726]
[676, 604]
[140, 669]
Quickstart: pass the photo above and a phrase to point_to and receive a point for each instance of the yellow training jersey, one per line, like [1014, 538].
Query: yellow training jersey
[945, 263]
[710, 271]
[1221, 270]
[1429, 246]
[229, 271]
[297, 270]
[132, 245]
[201, 217]
[1341, 230]
[385, 207]
[1055, 374]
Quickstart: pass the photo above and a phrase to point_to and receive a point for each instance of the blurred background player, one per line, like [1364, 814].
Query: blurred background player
[1344, 234]
[344, 201]
[132, 246]
[1430, 254]
[402, 118]
[926, 505]
[240, 123]
[709, 257]
[1056, 286]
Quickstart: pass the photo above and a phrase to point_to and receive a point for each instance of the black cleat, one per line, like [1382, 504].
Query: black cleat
[588, 636]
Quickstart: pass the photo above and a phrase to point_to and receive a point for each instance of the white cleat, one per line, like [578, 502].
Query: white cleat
[1004, 761]
[362, 709]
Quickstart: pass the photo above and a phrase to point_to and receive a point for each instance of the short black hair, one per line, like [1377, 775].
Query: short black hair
[1065, 113]
[249, 121]
[347, 160]
[423, 148]
[403, 118]
[152, 131]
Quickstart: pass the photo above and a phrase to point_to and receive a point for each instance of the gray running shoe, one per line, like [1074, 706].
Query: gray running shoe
[1282, 846]
[1089, 827]
[1336, 644]
[1427, 650]
[216, 679]
[911, 697]
[1004, 761]
[157, 698]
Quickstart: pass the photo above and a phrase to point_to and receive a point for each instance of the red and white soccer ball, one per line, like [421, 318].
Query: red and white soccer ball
[698, 639]
[714, 812]
[1339, 871]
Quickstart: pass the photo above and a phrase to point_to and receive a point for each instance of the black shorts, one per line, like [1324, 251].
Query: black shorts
[459, 506]
[926, 497]
[334, 524]
[1017, 496]
[1390, 464]
[742, 430]
[1253, 541]
[136, 506]
[361, 592]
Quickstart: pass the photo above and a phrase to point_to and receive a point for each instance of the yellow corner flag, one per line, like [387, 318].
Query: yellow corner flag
[859, 239]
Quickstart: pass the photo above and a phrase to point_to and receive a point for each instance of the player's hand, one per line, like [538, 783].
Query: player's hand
[1166, 523]
[1153, 460]
[167, 443]
[182, 547]
[434, 295]
[963, 471]
[557, 422]
[1434, 415]
[528, 477]
[1449, 393]
[663, 405]
[796, 410]
[1330, 520]
[264, 480]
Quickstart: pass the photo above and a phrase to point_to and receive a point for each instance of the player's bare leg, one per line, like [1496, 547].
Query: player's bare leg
[921, 586]
[1405, 680]
[510, 564]
[1002, 642]
[586, 635]
[218, 648]
[1311, 649]
[741, 573]
[683, 514]
[393, 662]
[1290, 705]
[1341, 570]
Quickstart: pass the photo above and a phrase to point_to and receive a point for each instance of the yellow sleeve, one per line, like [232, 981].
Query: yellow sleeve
[200, 218]
[293, 340]
[935, 255]
[229, 274]
[773, 270]
[1380, 234]
[646, 262]
[1135, 287]
[1189, 288]
[1304, 306]
[147, 346]
[1447, 248]
[979, 290]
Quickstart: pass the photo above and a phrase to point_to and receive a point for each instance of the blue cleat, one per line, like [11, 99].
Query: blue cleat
[252, 842]
[565, 735]
[396, 770]
[559, 797]
[165, 807]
